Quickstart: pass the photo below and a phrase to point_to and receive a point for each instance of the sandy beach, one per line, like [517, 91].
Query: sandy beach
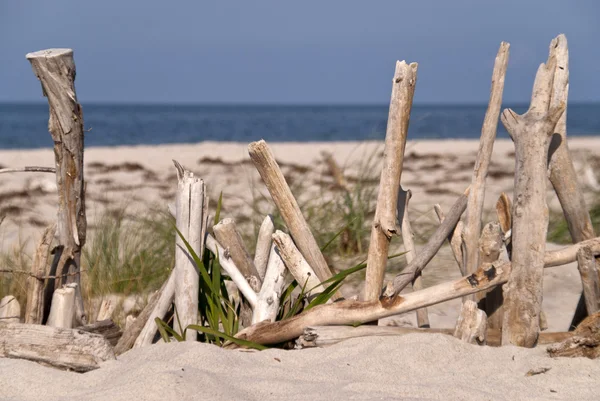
[423, 367]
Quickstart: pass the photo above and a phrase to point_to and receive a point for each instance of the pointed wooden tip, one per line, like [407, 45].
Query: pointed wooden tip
[180, 169]
[49, 53]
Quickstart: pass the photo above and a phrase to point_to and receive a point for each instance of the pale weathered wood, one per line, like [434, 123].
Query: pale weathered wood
[384, 222]
[454, 238]
[28, 169]
[132, 332]
[107, 307]
[585, 341]
[531, 134]
[106, 328]
[267, 304]
[490, 245]
[59, 347]
[568, 254]
[34, 311]
[504, 213]
[433, 245]
[191, 203]
[232, 271]
[471, 326]
[10, 310]
[335, 171]
[229, 238]
[411, 250]
[145, 325]
[472, 229]
[55, 68]
[588, 269]
[296, 264]
[271, 174]
[350, 312]
[263, 246]
[62, 311]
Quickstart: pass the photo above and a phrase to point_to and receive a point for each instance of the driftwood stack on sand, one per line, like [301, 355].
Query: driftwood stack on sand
[501, 262]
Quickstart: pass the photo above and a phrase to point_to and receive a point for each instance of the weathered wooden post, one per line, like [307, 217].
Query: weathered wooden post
[34, 310]
[10, 310]
[531, 134]
[384, 223]
[55, 68]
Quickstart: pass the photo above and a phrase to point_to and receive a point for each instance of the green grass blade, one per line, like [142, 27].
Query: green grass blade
[218, 211]
[165, 330]
[216, 333]
[338, 234]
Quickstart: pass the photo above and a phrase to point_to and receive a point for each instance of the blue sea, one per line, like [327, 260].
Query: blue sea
[25, 125]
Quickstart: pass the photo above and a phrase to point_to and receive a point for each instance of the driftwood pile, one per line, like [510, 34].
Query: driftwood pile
[501, 262]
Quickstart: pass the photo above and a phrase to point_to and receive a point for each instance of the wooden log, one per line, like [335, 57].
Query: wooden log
[10, 310]
[531, 134]
[106, 328]
[296, 264]
[490, 245]
[132, 332]
[271, 174]
[62, 348]
[411, 250]
[384, 222]
[34, 311]
[351, 312]
[568, 254]
[323, 336]
[471, 326]
[191, 204]
[585, 340]
[231, 269]
[454, 238]
[107, 308]
[62, 311]
[229, 237]
[55, 68]
[145, 324]
[267, 304]
[433, 245]
[588, 270]
[263, 246]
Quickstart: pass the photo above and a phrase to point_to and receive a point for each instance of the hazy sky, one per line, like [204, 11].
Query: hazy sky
[254, 51]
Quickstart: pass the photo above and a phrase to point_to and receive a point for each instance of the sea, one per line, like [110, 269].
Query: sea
[25, 125]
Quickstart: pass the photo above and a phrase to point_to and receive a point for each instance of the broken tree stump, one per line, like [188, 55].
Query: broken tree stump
[471, 326]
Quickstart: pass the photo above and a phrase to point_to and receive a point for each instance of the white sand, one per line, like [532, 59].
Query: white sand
[413, 367]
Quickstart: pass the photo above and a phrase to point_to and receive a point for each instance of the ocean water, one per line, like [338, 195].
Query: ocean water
[25, 125]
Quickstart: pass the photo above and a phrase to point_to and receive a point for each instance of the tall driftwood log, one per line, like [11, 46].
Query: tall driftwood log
[75, 350]
[562, 172]
[384, 223]
[271, 174]
[472, 229]
[34, 310]
[588, 269]
[435, 242]
[411, 250]
[192, 218]
[55, 68]
[350, 312]
[531, 134]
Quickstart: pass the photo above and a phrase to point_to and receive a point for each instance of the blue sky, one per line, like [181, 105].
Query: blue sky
[242, 51]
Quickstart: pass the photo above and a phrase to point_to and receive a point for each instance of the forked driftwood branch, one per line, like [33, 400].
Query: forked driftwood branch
[55, 69]
[531, 134]
[384, 222]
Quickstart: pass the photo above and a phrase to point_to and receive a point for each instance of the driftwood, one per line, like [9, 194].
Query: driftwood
[267, 304]
[588, 269]
[144, 328]
[471, 326]
[454, 238]
[472, 229]
[192, 218]
[34, 311]
[296, 264]
[568, 254]
[490, 245]
[62, 348]
[335, 171]
[411, 251]
[10, 310]
[271, 174]
[263, 246]
[62, 311]
[107, 308]
[323, 336]
[351, 312]
[384, 222]
[106, 328]
[531, 134]
[28, 169]
[585, 341]
[55, 69]
[433, 245]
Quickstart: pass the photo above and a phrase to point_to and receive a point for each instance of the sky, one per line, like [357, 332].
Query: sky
[300, 52]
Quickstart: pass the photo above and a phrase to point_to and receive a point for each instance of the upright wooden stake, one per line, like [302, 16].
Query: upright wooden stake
[588, 269]
[471, 326]
[34, 310]
[267, 304]
[531, 133]
[472, 230]
[384, 223]
[63, 307]
[55, 69]
[191, 205]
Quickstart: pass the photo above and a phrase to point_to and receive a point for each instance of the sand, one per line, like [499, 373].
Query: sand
[412, 367]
